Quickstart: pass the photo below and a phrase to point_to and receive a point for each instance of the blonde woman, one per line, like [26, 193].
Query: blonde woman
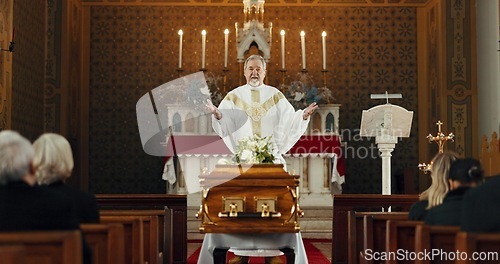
[435, 194]
[53, 163]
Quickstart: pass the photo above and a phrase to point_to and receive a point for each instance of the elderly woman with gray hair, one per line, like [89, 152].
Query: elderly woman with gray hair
[53, 163]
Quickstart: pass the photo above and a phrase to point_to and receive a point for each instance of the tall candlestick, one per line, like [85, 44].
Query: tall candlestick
[203, 40]
[282, 33]
[180, 47]
[226, 39]
[303, 44]
[323, 40]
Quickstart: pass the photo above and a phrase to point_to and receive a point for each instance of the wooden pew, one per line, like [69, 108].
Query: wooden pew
[12, 254]
[356, 232]
[175, 224]
[154, 231]
[485, 244]
[47, 247]
[400, 235]
[107, 242]
[428, 238]
[354, 236]
[374, 234]
[134, 237]
[343, 203]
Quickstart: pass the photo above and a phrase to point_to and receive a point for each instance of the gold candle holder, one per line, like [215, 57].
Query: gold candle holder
[283, 88]
[324, 78]
[224, 71]
[440, 139]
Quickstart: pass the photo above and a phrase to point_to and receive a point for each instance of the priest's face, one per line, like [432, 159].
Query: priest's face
[255, 73]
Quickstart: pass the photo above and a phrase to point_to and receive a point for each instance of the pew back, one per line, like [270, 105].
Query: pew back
[363, 227]
[400, 235]
[437, 238]
[154, 231]
[12, 254]
[485, 244]
[47, 247]
[107, 242]
[134, 238]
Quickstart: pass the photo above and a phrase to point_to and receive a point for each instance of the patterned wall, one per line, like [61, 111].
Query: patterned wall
[28, 67]
[6, 32]
[135, 48]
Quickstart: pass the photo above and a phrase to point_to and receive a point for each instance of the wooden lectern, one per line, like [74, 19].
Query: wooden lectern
[249, 198]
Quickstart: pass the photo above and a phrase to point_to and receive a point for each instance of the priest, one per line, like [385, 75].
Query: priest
[259, 109]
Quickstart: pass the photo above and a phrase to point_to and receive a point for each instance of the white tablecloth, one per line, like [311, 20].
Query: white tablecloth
[252, 241]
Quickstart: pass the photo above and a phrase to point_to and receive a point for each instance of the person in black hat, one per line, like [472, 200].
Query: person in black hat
[464, 175]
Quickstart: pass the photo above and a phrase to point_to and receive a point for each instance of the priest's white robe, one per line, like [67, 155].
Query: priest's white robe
[264, 111]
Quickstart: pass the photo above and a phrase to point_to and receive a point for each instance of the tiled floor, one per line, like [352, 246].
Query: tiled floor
[324, 247]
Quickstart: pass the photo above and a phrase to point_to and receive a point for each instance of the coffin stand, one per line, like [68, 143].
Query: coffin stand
[249, 198]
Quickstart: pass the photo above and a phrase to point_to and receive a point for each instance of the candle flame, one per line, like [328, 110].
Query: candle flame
[323, 34]
[282, 32]
[180, 32]
[226, 31]
[302, 33]
[203, 32]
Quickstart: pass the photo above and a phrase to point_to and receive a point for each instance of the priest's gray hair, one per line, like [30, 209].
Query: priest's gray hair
[255, 57]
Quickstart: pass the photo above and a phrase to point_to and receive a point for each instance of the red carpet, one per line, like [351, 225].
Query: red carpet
[314, 256]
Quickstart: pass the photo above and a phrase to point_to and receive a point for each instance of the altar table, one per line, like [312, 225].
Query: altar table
[252, 241]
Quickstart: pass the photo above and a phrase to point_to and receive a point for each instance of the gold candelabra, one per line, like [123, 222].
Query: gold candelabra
[440, 139]
[324, 77]
[225, 70]
[283, 71]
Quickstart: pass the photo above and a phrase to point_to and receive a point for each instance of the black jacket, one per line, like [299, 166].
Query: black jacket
[418, 211]
[87, 210]
[481, 207]
[25, 207]
[450, 211]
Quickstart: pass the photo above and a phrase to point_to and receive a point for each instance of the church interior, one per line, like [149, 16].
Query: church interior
[79, 67]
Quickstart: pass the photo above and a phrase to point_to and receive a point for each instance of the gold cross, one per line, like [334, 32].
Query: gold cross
[440, 138]
[439, 125]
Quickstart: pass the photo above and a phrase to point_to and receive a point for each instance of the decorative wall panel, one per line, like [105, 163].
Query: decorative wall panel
[6, 35]
[28, 68]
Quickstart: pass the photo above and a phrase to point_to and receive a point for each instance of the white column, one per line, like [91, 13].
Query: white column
[386, 145]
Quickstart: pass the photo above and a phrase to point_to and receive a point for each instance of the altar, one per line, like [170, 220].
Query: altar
[316, 157]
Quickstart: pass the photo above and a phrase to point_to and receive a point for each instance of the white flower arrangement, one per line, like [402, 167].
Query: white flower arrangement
[254, 150]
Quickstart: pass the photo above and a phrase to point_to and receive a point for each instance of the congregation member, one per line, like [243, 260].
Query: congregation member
[434, 195]
[24, 206]
[53, 163]
[464, 175]
[481, 208]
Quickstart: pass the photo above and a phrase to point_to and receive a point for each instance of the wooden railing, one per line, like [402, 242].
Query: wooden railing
[175, 224]
[490, 155]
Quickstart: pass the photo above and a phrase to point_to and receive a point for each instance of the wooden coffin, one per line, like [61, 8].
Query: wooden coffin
[258, 198]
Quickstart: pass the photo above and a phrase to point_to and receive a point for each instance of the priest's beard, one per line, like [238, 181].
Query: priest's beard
[254, 82]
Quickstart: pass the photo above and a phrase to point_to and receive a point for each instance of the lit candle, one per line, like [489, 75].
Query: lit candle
[303, 44]
[203, 40]
[282, 33]
[323, 37]
[180, 47]
[226, 35]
